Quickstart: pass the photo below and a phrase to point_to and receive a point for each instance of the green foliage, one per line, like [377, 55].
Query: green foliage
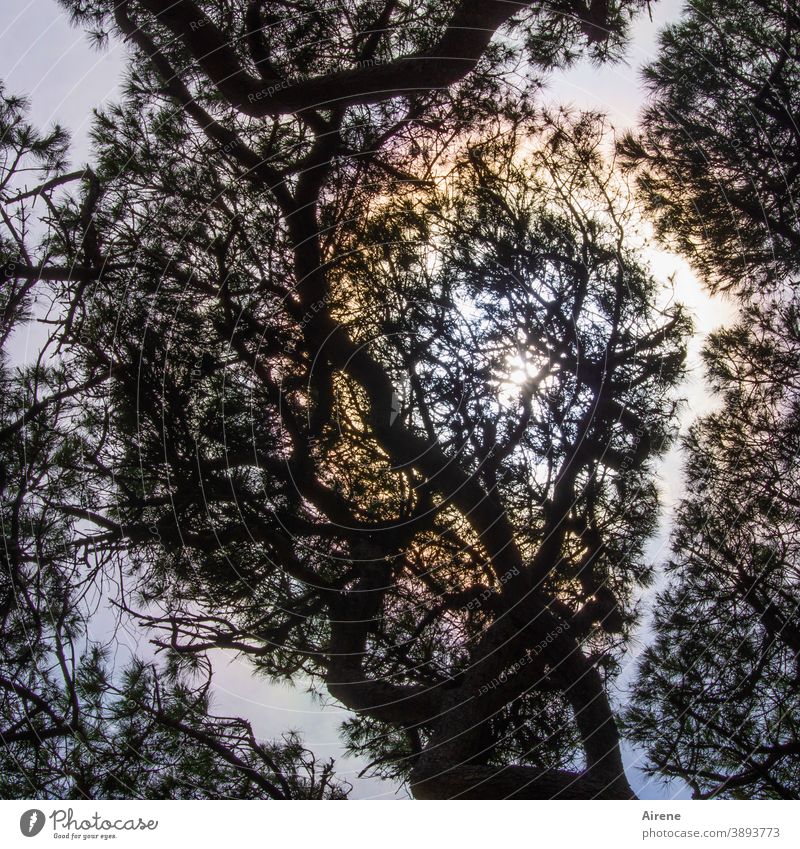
[716, 702]
[368, 391]
[71, 725]
[500, 272]
[717, 151]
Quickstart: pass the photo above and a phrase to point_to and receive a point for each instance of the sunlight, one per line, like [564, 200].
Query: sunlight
[521, 371]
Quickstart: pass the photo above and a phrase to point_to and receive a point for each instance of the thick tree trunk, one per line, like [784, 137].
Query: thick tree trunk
[514, 782]
[449, 767]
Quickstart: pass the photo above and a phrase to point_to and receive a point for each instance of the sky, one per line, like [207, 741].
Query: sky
[65, 78]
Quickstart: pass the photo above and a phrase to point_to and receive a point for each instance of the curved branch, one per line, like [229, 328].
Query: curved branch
[460, 48]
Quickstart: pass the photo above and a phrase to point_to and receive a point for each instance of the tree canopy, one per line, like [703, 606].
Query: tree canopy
[353, 366]
[717, 147]
[716, 702]
[717, 699]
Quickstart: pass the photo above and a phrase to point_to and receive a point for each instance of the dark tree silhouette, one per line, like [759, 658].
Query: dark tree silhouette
[367, 391]
[68, 727]
[717, 150]
[718, 699]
